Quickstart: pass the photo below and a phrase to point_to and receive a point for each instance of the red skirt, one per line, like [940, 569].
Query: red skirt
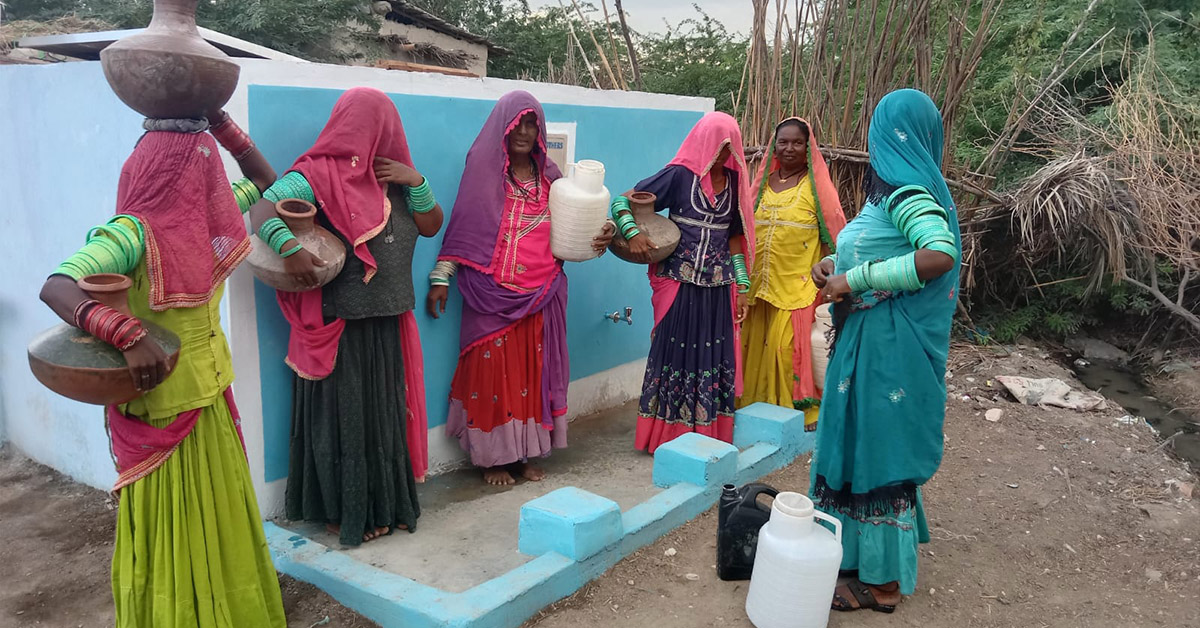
[496, 398]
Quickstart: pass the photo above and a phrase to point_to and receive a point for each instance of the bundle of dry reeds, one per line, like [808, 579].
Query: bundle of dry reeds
[830, 61]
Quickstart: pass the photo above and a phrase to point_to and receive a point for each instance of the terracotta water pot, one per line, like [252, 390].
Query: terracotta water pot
[660, 229]
[168, 70]
[76, 365]
[300, 217]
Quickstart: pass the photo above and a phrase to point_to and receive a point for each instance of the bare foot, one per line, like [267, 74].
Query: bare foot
[498, 476]
[810, 427]
[334, 529]
[530, 472]
[374, 534]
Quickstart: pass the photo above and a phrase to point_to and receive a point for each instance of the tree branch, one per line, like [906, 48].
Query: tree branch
[1171, 306]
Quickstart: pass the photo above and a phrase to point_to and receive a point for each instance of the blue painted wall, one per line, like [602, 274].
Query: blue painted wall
[632, 143]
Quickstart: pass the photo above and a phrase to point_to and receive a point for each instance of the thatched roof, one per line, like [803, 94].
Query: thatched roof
[408, 13]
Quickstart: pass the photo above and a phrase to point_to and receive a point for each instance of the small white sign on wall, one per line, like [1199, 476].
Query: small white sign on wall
[560, 143]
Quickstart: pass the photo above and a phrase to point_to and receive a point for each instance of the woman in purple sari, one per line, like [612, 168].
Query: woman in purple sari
[508, 399]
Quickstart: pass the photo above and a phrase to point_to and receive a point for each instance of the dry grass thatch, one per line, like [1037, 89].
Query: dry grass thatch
[1119, 196]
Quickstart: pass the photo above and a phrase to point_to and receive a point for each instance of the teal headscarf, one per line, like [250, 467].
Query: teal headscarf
[905, 143]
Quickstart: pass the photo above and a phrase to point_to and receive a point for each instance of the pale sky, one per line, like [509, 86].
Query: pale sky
[646, 16]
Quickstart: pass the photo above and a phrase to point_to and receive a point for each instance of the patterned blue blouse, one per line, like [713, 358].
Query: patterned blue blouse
[702, 257]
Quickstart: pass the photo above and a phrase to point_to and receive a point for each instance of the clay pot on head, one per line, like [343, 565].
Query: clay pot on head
[168, 70]
[76, 365]
[300, 217]
[660, 229]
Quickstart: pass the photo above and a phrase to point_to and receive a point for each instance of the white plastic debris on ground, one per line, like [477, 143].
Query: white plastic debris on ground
[1051, 392]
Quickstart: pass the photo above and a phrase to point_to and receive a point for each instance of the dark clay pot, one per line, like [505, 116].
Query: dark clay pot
[660, 229]
[76, 365]
[168, 70]
[300, 217]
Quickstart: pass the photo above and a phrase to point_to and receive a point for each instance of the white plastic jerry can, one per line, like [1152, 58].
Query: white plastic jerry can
[578, 210]
[795, 567]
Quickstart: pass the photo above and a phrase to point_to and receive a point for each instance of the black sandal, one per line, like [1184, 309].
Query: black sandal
[862, 594]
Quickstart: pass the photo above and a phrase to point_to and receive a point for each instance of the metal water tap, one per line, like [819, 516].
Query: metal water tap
[616, 316]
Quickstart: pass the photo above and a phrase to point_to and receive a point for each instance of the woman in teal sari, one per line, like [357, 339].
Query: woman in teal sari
[894, 282]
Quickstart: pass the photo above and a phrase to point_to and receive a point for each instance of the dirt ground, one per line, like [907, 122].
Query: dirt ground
[1046, 517]
[55, 550]
[1043, 518]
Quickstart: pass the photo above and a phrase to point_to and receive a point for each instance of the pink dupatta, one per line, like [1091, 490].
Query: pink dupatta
[698, 154]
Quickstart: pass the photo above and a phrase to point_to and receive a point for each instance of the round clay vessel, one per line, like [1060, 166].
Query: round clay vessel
[76, 365]
[168, 70]
[300, 216]
[661, 230]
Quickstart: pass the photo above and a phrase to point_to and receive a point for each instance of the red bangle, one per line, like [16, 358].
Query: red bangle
[233, 138]
[119, 330]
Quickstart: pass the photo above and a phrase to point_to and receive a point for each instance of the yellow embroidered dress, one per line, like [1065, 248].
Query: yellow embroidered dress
[778, 364]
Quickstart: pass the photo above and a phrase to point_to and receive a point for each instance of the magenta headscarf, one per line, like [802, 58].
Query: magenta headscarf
[474, 229]
[340, 170]
[175, 185]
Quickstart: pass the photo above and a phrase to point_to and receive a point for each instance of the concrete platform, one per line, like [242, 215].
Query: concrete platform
[491, 558]
[467, 531]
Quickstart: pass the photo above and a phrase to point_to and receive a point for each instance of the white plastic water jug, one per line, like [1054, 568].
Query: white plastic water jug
[820, 344]
[795, 566]
[578, 209]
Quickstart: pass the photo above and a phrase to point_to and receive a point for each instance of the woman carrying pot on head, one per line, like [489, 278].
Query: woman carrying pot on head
[190, 548]
[358, 404]
[508, 398]
[798, 218]
[693, 372]
[894, 284]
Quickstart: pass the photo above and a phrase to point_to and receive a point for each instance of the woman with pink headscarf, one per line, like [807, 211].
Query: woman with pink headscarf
[692, 371]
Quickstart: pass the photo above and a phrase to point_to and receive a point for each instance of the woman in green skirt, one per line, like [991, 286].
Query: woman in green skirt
[190, 548]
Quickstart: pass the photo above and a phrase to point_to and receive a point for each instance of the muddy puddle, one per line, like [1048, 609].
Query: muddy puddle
[1126, 388]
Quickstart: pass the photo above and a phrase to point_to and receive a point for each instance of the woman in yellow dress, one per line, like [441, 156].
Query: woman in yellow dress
[798, 217]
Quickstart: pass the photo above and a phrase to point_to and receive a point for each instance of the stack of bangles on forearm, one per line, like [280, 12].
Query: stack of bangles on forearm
[276, 233]
[740, 275]
[233, 138]
[119, 330]
[892, 274]
[623, 217]
[246, 194]
[442, 272]
[420, 198]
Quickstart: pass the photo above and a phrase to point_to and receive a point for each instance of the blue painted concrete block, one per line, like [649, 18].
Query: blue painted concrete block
[696, 459]
[767, 423]
[569, 521]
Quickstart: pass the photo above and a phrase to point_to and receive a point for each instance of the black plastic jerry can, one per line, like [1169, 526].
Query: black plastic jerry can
[739, 518]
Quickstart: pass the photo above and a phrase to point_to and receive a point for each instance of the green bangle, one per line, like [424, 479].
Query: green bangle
[275, 233]
[439, 281]
[618, 205]
[292, 251]
[246, 194]
[420, 198]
